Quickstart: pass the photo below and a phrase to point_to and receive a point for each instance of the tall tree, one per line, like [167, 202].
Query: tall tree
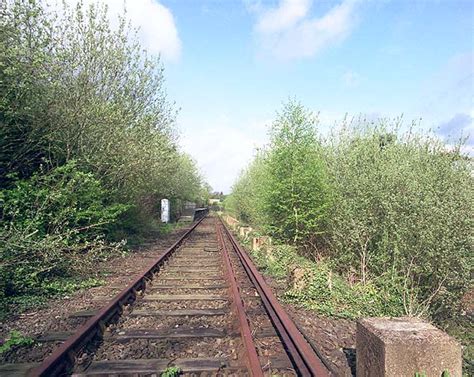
[297, 193]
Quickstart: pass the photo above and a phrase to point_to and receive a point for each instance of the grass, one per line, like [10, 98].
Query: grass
[146, 230]
[325, 292]
[50, 289]
[330, 295]
[171, 372]
[15, 339]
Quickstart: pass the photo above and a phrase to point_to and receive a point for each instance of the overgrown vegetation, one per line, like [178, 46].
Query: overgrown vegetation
[88, 145]
[171, 372]
[15, 339]
[322, 290]
[388, 215]
[296, 195]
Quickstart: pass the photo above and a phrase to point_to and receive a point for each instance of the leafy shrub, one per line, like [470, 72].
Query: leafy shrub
[247, 199]
[87, 144]
[285, 190]
[389, 211]
[329, 294]
[326, 292]
[402, 215]
[52, 227]
[76, 88]
[64, 286]
[15, 339]
[296, 195]
[280, 259]
[171, 372]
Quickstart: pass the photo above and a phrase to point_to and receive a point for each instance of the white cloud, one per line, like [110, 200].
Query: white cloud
[446, 100]
[157, 28]
[351, 79]
[286, 15]
[460, 126]
[221, 148]
[289, 32]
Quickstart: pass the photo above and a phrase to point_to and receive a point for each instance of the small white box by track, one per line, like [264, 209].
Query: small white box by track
[165, 211]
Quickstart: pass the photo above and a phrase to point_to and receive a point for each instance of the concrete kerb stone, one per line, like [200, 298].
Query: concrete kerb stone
[258, 243]
[397, 347]
[231, 222]
[244, 232]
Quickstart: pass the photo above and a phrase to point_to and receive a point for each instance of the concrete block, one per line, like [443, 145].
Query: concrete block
[259, 242]
[398, 347]
[233, 223]
[244, 231]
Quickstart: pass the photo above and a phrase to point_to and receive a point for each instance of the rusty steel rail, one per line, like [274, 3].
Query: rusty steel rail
[253, 362]
[63, 357]
[302, 355]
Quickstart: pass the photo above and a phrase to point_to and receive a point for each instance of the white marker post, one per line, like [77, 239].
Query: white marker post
[165, 211]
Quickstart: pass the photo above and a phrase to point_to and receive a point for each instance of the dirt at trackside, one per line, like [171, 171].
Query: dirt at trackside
[56, 314]
[333, 338]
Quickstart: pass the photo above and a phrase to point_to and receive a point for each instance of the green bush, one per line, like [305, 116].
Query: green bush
[389, 210]
[171, 372]
[52, 226]
[88, 144]
[76, 88]
[326, 292]
[246, 202]
[296, 194]
[402, 215]
[286, 190]
[15, 339]
[330, 294]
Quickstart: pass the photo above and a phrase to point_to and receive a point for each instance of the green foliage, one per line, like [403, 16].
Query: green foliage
[391, 212]
[52, 227]
[87, 144]
[74, 88]
[462, 328]
[51, 287]
[171, 372]
[326, 292]
[64, 286]
[285, 190]
[329, 294]
[19, 304]
[402, 215]
[247, 198]
[63, 198]
[15, 339]
[296, 194]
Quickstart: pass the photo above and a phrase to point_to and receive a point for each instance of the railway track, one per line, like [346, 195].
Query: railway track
[201, 307]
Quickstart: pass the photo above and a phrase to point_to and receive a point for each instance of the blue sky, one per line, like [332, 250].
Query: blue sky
[230, 65]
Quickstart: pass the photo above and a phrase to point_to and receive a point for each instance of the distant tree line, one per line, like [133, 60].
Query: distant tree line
[88, 144]
[383, 208]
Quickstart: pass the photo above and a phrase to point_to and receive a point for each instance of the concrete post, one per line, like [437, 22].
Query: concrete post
[259, 242]
[244, 231]
[165, 211]
[399, 347]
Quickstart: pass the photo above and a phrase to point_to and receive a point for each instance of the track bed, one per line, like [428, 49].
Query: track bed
[198, 308]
